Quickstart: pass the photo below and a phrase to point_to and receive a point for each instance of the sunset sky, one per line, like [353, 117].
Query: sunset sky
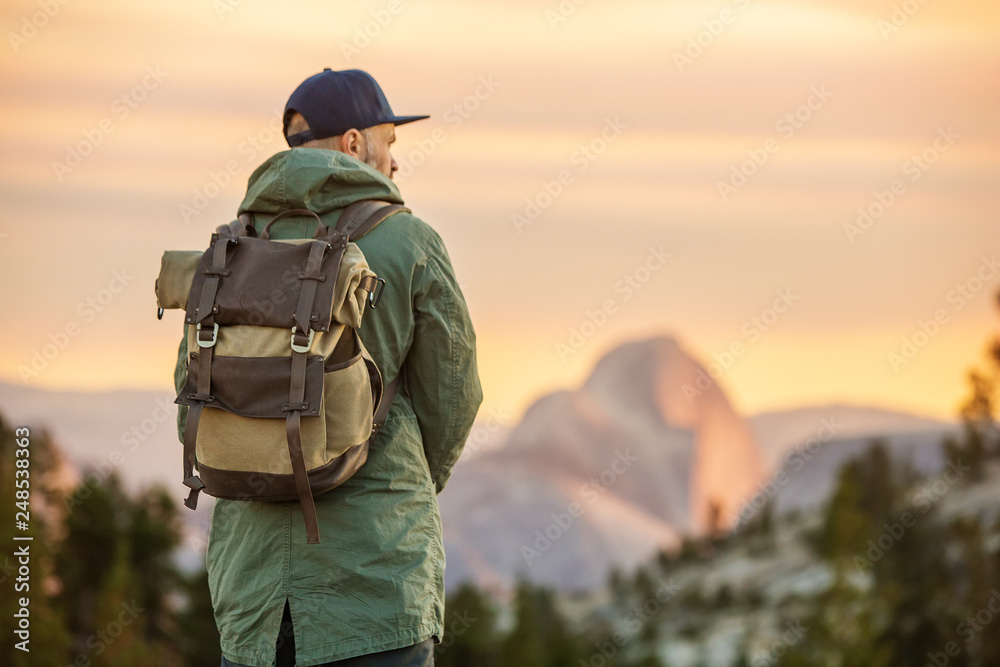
[572, 147]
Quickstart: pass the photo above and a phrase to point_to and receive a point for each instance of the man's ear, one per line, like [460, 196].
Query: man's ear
[352, 142]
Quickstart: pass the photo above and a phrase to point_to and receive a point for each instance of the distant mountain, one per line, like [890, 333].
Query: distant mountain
[603, 475]
[132, 431]
[805, 448]
[778, 432]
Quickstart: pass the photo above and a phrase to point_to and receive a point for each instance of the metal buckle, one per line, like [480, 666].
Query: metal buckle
[215, 336]
[194, 483]
[376, 294]
[302, 348]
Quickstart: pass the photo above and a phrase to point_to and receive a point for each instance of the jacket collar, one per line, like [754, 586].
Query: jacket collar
[315, 179]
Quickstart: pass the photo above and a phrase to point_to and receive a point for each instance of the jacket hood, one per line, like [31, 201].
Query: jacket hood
[315, 179]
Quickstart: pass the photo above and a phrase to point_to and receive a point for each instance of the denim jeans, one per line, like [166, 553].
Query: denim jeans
[418, 655]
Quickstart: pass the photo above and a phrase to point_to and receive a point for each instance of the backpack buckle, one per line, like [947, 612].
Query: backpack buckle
[208, 343]
[376, 294]
[302, 348]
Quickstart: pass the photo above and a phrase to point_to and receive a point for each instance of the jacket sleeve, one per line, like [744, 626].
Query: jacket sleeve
[441, 373]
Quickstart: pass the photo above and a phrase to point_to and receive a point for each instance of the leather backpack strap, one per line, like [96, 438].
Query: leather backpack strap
[357, 220]
[385, 404]
[206, 337]
[293, 433]
[301, 342]
[363, 216]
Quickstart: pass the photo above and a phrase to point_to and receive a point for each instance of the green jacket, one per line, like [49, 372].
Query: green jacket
[376, 582]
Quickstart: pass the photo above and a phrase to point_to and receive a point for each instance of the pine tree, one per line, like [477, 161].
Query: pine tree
[470, 636]
[119, 638]
[197, 633]
[540, 636]
[117, 558]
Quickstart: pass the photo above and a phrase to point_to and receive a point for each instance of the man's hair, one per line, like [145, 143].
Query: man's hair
[297, 123]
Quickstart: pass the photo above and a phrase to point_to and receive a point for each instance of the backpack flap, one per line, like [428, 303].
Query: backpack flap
[177, 269]
[264, 281]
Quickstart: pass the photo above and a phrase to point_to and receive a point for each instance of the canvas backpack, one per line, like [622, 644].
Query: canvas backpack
[283, 399]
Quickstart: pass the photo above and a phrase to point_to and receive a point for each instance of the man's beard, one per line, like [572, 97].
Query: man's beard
[370, 158]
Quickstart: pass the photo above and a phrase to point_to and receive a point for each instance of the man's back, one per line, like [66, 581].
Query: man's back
[375, 583]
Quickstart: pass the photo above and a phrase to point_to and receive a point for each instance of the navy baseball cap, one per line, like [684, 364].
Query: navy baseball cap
[334, 102]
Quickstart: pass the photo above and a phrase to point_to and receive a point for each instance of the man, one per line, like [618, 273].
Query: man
[372, 593]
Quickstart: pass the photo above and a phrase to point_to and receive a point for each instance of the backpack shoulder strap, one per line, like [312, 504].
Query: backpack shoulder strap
[363, 216]
[388, 395]
[242, 226]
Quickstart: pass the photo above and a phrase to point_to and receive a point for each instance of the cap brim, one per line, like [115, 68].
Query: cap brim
[403, 120]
